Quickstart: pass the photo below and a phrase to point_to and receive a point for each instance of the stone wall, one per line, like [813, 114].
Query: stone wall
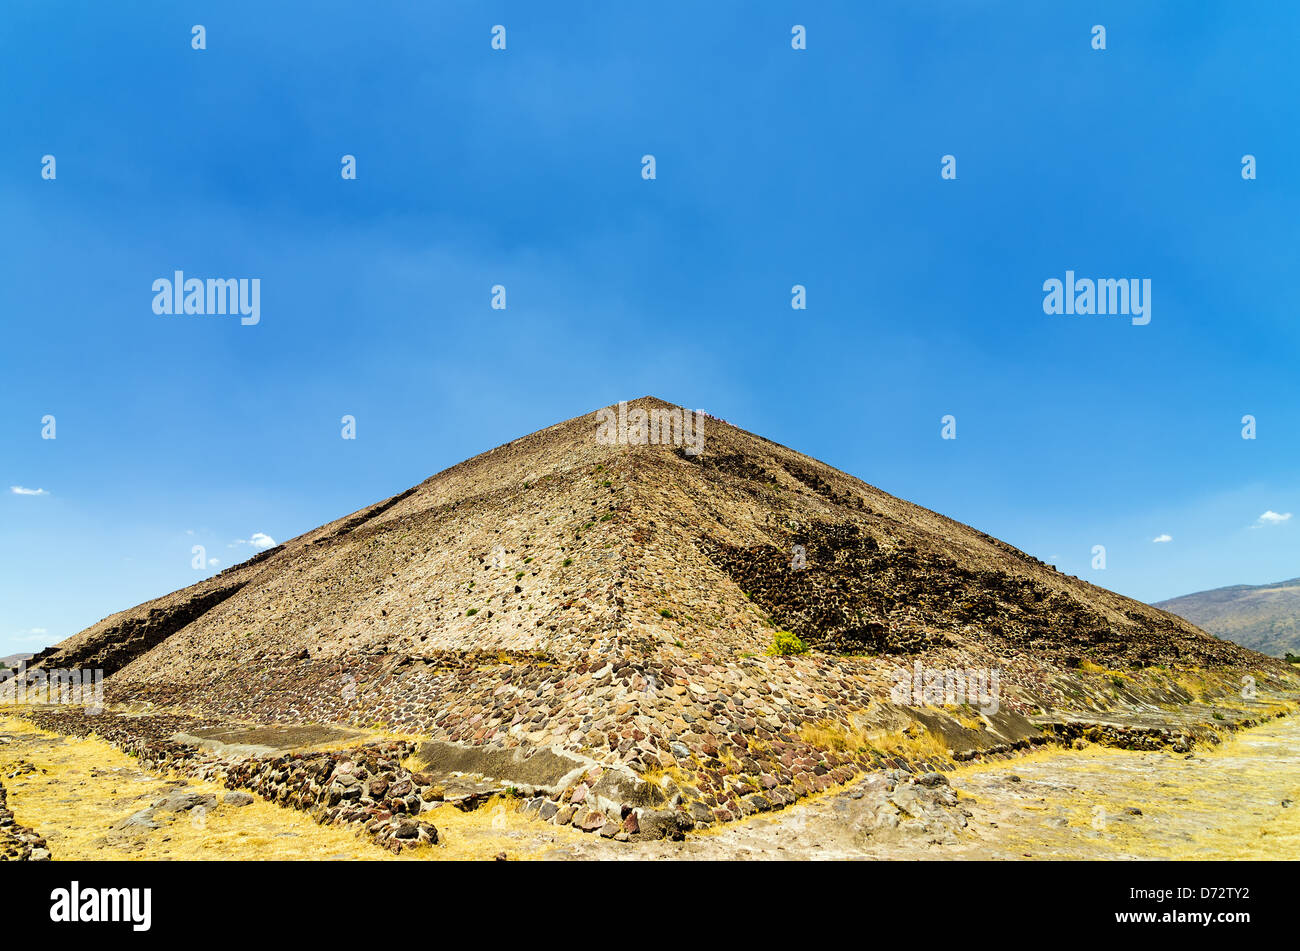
[17, 842]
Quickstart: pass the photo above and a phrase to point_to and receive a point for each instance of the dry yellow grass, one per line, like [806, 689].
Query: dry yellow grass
[914, 742]
[86, 786]
[829, 735]
[964, 715]
[657, 776]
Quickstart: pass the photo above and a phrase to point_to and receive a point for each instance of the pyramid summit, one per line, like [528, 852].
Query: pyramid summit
[620, 601]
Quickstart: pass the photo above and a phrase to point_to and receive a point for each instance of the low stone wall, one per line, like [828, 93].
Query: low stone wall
[17, 842]
[1177, 739]
[365, 785]
[714, 742]
[732, 734]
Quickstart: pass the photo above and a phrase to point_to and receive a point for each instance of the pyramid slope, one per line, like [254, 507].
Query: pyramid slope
[555, 544]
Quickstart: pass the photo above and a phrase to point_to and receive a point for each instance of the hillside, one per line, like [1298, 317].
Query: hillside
[1262, 617]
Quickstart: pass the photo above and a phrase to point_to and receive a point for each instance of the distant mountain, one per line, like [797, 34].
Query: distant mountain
[13, 659]
[1263, 617]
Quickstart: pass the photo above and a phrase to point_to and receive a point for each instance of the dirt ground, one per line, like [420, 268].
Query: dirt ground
[1236, 801]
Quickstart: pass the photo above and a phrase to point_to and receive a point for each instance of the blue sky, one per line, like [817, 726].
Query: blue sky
[523, 168]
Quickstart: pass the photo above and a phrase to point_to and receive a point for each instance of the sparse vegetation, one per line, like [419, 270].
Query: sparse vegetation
[913, 743]
[829, 735]
[965, 715]
[471, 612]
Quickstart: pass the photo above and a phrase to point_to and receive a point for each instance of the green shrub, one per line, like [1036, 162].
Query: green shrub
[784, 644]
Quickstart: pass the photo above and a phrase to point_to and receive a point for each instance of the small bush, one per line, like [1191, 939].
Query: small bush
[567, 562]
[471, 612]
[664, 612]
[784, 644]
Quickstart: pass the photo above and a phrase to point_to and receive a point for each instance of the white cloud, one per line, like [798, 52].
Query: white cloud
[1273, 518]
[20, 490]
[212, 562]
[1163, 538]
[257, 540]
